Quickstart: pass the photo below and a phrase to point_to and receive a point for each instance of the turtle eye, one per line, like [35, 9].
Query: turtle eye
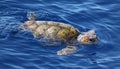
[92, 40]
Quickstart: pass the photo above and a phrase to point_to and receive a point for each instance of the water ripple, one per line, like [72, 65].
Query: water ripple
[21, 51]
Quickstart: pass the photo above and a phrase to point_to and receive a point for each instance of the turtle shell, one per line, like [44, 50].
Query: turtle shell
[54, 30]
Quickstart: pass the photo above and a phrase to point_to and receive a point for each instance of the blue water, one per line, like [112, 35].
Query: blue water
[19, 50]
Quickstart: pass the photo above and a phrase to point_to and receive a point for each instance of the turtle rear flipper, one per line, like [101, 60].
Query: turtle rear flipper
[31, 16]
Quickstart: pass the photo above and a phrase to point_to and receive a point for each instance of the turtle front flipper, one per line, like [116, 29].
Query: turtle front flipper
[68, 50]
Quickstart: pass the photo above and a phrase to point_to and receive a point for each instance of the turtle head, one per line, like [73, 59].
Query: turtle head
[88, 37]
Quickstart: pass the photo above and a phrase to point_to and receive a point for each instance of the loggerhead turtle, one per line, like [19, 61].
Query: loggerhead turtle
[59, 32]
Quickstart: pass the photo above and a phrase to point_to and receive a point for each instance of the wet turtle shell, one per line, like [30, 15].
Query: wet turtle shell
[55, 30]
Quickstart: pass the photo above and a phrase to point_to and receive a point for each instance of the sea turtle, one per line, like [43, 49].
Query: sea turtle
[56, 32]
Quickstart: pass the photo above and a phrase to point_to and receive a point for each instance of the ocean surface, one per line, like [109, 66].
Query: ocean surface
[19, 50]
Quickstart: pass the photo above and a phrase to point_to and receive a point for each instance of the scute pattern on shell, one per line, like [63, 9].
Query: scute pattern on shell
[52, 29]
